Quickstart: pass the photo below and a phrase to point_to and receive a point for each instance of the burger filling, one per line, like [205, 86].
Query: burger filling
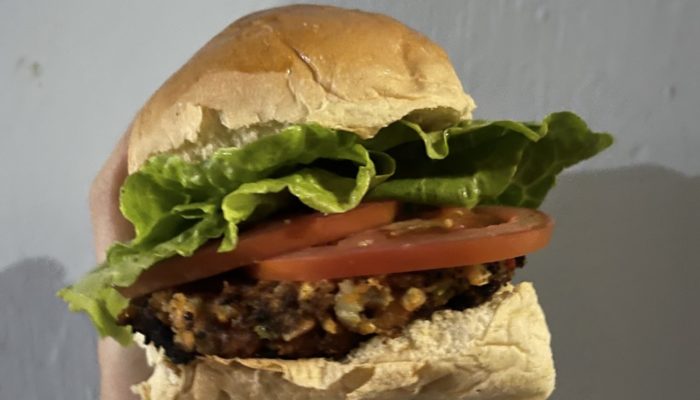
[236, 316]
[353, 217]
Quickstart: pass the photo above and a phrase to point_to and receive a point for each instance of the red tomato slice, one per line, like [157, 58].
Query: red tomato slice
[451, 238]
[260, 243]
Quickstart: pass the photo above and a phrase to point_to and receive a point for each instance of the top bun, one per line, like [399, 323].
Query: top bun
[342, 69]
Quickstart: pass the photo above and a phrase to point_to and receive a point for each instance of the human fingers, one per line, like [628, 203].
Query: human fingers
[108, 224]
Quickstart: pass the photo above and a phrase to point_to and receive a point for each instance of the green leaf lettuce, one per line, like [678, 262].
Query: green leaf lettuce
[176, 206]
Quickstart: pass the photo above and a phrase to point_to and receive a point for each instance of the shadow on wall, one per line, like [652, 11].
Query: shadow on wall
[618, 284]
[46, 352]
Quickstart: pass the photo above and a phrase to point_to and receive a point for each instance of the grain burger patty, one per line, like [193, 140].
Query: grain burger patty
[236, 316]
[318, 216]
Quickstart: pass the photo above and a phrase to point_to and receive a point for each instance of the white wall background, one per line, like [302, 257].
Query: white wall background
[618, 282]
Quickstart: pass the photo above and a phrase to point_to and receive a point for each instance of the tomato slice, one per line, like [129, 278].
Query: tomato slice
[451, 238]
[260, 243]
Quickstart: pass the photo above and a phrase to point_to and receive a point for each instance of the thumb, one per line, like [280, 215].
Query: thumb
[108, 224]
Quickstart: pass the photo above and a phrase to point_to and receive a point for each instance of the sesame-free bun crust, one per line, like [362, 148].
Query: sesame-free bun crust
[343, 69]
[499, 350]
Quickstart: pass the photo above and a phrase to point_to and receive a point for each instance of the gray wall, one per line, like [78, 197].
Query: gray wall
[617, 283]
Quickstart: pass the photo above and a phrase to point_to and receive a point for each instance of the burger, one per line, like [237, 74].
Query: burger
[318, 216]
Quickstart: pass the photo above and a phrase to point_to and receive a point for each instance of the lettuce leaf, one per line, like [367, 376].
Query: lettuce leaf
[482, 162]
[176, 206]
[567, 141]
[95, 293]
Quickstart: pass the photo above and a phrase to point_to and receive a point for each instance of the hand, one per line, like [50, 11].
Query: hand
[120, 367]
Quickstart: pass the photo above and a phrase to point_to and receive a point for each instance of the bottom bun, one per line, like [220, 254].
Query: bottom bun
[499, 350]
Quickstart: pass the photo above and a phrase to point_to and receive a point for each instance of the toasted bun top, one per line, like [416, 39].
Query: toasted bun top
[499, 350]
[343, 69]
